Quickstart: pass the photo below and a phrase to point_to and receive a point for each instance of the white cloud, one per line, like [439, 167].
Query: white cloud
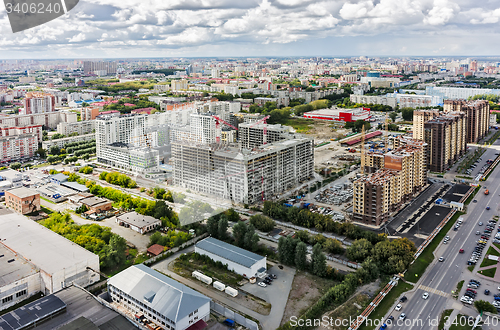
[107, 26]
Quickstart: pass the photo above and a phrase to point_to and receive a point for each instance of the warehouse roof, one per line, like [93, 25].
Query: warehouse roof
[229, 252]
[28, 238]
[59, 177]
[22, 192]
[75, 186]
[136, 219]
[165, 295]
[12, 267]
[94, 201]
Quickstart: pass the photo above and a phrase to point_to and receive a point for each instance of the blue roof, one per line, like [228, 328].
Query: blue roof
[229, 252]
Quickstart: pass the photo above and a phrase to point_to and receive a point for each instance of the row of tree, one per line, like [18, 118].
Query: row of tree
[320, 222]
[262, 223]
[172, 239]
[118, 179]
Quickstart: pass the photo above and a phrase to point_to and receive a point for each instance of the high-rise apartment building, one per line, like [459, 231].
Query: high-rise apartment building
[252, 135]
[380, 193]
[179, 85]
[89, 113]
[129, 142]
[89, 67]
[478, 116]
[242, 175]
[446, 140]
[38, 102]
[420, 117]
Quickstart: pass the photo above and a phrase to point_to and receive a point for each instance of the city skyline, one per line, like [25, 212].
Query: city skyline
[210, 28]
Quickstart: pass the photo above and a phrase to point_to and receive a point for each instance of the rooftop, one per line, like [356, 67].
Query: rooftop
[229, 252]
[12, 267]
[167, 296]
[137, 219]
[28, 238]
[93, 201]
[22, 192]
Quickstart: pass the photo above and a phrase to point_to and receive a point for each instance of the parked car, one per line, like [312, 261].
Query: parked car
[402, 316]
[261, 284]
[398, 307]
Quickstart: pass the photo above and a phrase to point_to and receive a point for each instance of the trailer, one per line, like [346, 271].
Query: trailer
[230, 291]
[201, 277]
[219, 286]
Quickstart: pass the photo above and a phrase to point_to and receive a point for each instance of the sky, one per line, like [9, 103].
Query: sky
[231, 28]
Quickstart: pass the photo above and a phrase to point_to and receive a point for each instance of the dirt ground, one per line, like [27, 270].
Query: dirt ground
[324, 130]
[306, 289]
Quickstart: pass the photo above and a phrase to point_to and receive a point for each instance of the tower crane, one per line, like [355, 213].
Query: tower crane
[263, 121]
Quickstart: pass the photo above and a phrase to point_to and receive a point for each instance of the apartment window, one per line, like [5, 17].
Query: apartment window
[7, 299]
[21, 293]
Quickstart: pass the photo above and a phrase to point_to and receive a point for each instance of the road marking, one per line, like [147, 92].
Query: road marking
[435, 291]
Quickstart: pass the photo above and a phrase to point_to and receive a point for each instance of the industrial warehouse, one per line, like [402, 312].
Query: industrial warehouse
[238, 260]
[25, 271]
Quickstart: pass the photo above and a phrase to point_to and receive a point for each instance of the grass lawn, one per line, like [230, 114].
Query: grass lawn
[387, 303]
[186, 268]
[301, 125]
[488, 262]
[47, 200]
[470, 268]
[471, 197]
[46, 210]
[493, 251]
[444, 317]
[349, 309]
[420, 265]
[497, 245]
[488, 272]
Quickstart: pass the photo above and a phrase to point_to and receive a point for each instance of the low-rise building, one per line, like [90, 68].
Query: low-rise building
[238, 260]
[138, 222]
[158, 298]
[96, 204]
[22, 200]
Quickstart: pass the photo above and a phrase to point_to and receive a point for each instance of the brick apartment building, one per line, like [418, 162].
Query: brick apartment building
[22, 200]
[382, 192]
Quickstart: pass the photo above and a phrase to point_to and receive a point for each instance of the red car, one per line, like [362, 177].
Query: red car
[470, 290]
[461, 251]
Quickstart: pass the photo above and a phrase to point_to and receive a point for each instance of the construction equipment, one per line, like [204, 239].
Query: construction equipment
[263, 121]
[219, 120]
[362, 170]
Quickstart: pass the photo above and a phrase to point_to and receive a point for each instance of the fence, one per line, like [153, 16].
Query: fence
[227, 313]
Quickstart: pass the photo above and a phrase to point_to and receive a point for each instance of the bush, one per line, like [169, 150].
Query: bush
[86, 170]
[118, 179]
[262, 222]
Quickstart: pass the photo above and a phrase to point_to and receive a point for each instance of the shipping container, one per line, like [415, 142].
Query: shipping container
[219, 286]
[230, 291]
[201, 277]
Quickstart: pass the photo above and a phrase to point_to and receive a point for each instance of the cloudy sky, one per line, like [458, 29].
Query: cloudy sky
[185, 28]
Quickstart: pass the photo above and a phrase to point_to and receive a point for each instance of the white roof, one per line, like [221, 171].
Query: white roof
[44, 248]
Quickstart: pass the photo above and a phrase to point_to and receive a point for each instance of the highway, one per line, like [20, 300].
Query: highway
[441, 278]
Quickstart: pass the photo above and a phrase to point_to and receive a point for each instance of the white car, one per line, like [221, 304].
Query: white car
[262, 284]
[398, 307]
[425, 295]
[466, 300]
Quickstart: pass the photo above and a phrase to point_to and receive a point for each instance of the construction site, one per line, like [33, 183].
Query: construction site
[267, 161]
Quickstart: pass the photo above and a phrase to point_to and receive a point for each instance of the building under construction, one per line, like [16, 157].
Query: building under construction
[254, 135]
[393, 178]
[243, 175]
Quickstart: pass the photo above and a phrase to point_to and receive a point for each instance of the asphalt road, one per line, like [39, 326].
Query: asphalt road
[441, 278]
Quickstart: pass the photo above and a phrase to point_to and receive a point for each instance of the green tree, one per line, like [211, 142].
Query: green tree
[484, 306]
[54, 150]
[251, 238]
[262, 223]
[407, 114]
[318, 261]
[301, 256]
[232, 215]
[239, 231]
[41, 152]
[15, 166]
[393, 115]
[213, 226]
[222, 227]
[333, 246]
[359, 250]
[51, 159]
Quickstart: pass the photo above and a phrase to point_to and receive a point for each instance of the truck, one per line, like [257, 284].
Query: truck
[219, 286]
[230, 291]
[486, 192]
[229, 322]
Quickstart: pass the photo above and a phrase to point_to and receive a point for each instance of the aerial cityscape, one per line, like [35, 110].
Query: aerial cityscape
[246, 170]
